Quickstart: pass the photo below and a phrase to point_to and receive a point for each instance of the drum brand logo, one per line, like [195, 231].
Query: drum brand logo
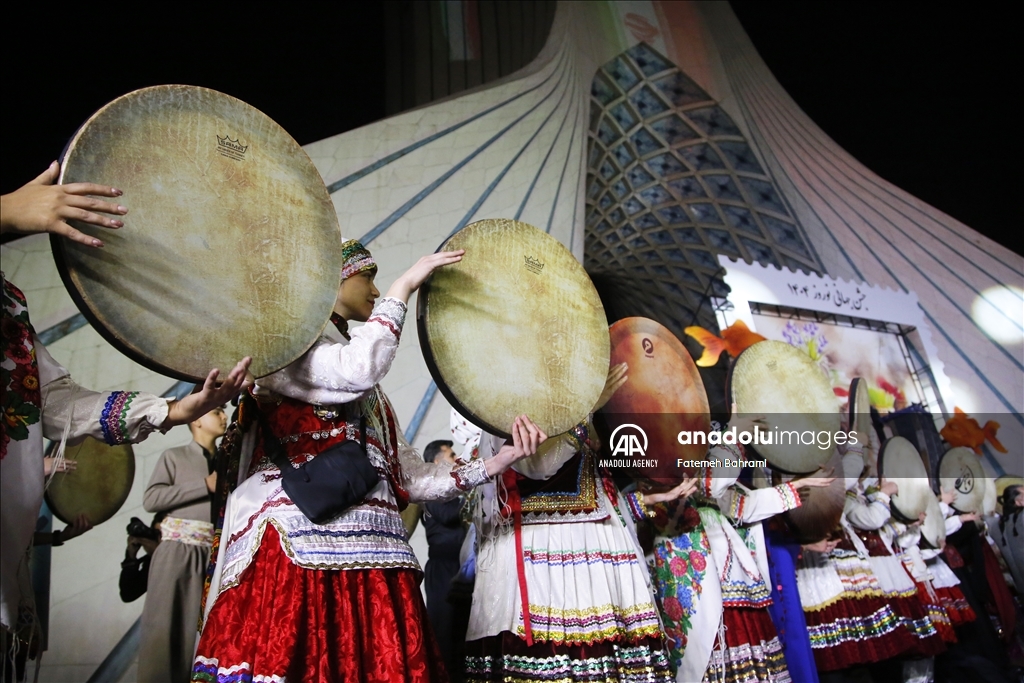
[533, 265]
[648, 347]
[965, 482]
[626, 440]
[233, 149]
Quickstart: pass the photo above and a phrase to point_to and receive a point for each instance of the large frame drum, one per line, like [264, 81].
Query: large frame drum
[782, 383]
[231, 247]
[515, 327]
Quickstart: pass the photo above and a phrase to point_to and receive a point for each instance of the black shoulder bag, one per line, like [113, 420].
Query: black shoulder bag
[331, 482]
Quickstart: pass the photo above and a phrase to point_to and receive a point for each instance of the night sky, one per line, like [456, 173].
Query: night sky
[921, 94]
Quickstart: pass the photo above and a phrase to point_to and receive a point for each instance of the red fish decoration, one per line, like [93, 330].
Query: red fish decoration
[961, 430]
[734, 340]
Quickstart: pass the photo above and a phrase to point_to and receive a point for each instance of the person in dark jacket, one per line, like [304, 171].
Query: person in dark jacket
[445, 533]
[134, 569]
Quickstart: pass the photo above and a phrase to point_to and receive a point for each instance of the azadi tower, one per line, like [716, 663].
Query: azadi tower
[651, 139]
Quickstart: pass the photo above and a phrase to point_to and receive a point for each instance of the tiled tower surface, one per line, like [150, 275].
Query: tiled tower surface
[671, 182]
[648, 137]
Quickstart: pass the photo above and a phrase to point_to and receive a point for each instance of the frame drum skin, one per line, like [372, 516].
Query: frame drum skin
[820, 509]
[960, 469]
[98, 487]
[900, 462]
[663, 395]
[231, 246]
[859, 420]
[781, 382]
[515, 327]
[934, 528]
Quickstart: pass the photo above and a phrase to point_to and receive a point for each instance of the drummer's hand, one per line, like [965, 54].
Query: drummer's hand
[616, 378]
[409, 281]
[65, 465]
[41, 206]
[79, 527]
[746, 423]
[526, 438]
[969, 517]
[822, 546]
[820, 480]
[948, 496]
[213, 395]
[681, 492]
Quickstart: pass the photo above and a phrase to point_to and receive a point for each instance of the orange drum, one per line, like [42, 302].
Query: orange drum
[663, 396]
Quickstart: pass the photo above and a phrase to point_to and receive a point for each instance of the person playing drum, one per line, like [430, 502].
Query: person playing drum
[561, 590]
[336, 601]
[41, 400]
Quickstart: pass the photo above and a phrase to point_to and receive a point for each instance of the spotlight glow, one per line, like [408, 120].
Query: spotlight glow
[999, 312]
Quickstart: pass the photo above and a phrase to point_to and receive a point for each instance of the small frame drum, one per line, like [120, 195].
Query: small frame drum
[901, 463]
[99, 485]
[934, 528]
[960, 469]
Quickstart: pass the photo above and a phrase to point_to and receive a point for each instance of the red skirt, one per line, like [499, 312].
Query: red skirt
[914, 611]
[856, 631]
[953, 601]
[753, 651]
[310, 625]
[936, 612]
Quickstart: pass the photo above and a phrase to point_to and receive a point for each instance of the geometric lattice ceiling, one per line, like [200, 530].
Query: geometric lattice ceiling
[672, 183]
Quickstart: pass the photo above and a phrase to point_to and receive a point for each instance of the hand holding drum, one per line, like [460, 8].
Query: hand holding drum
[40, 206]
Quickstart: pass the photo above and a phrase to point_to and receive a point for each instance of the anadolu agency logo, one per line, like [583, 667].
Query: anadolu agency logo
[629, 448]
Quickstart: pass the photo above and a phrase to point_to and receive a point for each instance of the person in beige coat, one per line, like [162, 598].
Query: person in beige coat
[181, 486]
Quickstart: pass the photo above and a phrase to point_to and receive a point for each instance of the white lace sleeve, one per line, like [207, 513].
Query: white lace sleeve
[748, 506]
[115, 417]
[332, 373]
[430, 481]
[869, 514]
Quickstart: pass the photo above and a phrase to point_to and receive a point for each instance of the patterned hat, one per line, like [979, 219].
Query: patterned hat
[357, 259]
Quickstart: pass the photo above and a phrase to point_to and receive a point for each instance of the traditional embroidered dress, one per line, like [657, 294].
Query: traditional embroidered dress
[710, 568]
[561, 590]
[178, 566]
[336, 601]
[907, 540]
[860, 603]
[41, 400]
